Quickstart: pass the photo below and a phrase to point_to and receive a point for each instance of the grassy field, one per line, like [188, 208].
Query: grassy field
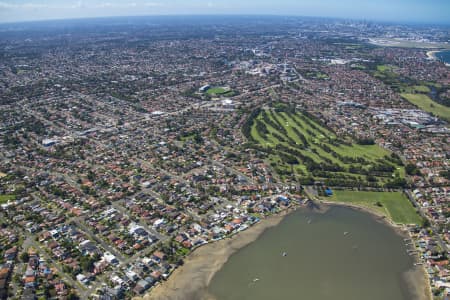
[316, 75]
[216, 91]
[300, 145]
[219, 91]
[425, 103]
[415, 89]
[393, 204]
[6, 198]
[385, 68]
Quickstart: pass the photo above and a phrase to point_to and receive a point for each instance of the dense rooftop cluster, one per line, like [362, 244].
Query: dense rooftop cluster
[116, 161]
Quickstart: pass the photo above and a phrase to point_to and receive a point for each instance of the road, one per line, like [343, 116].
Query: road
[433, 227]
[95, 237]
[30, 242]
[120, 208]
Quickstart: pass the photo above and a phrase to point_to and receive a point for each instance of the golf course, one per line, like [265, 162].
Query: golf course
[297, 145]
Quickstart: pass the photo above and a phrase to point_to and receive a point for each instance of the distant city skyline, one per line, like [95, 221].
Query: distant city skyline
[411, 11]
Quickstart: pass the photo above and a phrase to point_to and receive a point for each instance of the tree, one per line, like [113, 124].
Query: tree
[87, 263]
[72, 296]
[24, 257]
[411, 169]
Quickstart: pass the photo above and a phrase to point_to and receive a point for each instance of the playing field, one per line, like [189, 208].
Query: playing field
[425, 103]
[220, 91]
[394, 205]
[6, 198]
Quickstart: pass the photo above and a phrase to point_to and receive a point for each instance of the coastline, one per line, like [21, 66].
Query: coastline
[190, 281]
[416, 278]
[380, 217]
[431, 55]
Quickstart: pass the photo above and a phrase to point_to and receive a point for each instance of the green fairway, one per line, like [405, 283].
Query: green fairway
[298, 145]
[6, 198]
[393, 204]
[425, 103]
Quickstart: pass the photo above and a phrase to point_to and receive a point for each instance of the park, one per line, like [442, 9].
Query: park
[297, 146]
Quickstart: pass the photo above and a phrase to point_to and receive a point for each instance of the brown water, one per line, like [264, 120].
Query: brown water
[342, 254]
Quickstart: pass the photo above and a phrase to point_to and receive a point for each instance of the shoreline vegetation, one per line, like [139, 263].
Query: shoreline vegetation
[191, 281]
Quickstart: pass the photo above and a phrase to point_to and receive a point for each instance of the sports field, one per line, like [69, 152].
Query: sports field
[6, 198]
[425, 103]
[394, 205]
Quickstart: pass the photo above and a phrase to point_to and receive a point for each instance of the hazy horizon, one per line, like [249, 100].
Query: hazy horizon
[400, 11]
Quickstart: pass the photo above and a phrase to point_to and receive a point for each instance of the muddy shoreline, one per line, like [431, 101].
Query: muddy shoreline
[191, 280]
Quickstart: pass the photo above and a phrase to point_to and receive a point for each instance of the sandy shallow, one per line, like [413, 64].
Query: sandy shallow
[431, 55]
[190, 281]
[418, 283]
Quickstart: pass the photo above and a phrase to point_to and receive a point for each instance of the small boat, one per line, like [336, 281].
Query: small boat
[309, 221]
[255, 279]
[346, 232]
[284, 254]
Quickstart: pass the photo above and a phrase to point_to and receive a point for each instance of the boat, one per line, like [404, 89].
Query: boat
[255, 279]
[284, 254]
[345, 232]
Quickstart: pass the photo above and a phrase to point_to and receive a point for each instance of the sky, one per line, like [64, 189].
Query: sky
[415, 11]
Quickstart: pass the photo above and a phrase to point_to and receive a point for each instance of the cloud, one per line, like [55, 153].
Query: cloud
[22, 5]
[78, 5]
[153, 4]
[127, 5]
